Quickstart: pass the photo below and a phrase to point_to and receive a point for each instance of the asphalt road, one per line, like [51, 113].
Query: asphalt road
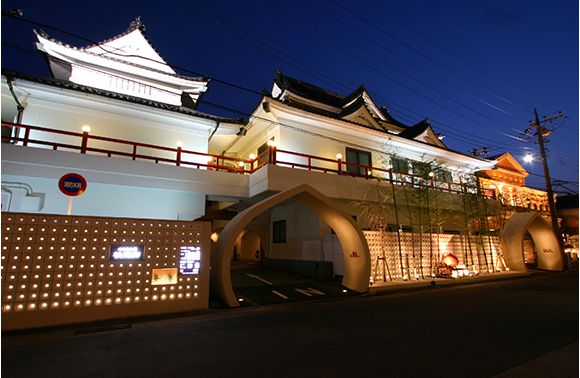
[471, 331]
[255, 285]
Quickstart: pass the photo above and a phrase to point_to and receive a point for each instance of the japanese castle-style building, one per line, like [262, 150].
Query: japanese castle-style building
[314, 180]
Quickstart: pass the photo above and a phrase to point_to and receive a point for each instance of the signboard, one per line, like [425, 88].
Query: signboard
[127, 252]
[72, 185]
[164, 276]
[189, 260]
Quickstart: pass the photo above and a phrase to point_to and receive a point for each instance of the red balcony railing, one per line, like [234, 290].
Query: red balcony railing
[85, 143]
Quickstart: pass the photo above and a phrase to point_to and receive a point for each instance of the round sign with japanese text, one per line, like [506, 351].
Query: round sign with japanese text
[72, 184]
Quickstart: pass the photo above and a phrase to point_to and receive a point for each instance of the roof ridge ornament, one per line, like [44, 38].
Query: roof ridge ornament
[137, 24]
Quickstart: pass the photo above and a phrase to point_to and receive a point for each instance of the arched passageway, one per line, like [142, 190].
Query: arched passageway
[249, 246]
[354, 245]
[547, 248]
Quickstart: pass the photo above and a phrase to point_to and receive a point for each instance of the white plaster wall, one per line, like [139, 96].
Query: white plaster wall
[143, 129]
[260, 132]
[249, 245]
[116, 200]
[293, 140]
[343, 133]
[303, 240]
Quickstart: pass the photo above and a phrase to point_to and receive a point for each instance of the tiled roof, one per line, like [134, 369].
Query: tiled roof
[118, 96]
[411, 132]
[318, 94]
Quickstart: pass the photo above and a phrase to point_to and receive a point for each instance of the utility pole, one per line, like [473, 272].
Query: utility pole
[541, 132]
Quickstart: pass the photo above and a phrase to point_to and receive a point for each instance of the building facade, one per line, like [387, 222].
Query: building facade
[118, 115]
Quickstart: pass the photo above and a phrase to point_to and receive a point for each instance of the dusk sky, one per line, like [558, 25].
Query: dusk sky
[475, 69]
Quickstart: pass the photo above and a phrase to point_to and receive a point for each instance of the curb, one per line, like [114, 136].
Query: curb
[442, 282]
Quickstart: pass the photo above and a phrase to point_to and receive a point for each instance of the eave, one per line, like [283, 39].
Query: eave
[346, 127]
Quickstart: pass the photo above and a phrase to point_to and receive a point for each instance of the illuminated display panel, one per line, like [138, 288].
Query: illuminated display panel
[165, 276]
[189, 260]
[127, 252]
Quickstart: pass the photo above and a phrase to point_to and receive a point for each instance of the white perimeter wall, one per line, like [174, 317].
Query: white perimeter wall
[111, 200]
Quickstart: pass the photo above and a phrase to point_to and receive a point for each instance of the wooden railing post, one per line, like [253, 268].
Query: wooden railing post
[339, 162]
[272, 157]
[134, 155]
[178, 157]
[26, 136]
[84, 142]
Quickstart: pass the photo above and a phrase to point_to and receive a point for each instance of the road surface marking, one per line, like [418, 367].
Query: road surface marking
[309, 291]
[279, 294]
[258, 278]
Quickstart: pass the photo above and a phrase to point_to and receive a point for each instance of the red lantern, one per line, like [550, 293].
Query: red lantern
[450, 260]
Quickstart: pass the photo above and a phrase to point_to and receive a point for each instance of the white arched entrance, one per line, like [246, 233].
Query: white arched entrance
[546, 244]
[354, 245]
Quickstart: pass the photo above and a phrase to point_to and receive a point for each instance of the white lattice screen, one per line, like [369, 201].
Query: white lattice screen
[57, 269]
[419, 255]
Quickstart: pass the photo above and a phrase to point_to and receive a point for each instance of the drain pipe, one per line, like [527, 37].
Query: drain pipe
[19, 106]
[213, 132]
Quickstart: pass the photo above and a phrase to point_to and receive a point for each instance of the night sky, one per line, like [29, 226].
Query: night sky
[476, 69]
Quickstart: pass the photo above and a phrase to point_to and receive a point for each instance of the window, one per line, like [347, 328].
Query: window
[421, 169]
[443, 175]
[400, 165]
[357, 157]
[279, 231]
[264, 159]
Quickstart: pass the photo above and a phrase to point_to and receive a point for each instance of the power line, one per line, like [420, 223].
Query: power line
[394, 53]
[430, 59]
[477, 69]
[380, 72]
[457, 137]
[237, 35]
[7, 44]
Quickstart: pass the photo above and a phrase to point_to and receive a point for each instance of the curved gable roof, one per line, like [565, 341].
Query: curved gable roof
[357, 107]
[132, 46]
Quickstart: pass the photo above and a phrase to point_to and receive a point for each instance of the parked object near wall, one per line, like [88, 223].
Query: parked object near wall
[69, 269]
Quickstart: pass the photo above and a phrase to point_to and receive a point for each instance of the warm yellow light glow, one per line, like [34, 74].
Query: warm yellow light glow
[214, 237]
[450, 260]
[179, 144]
[528, 158]
[86, 129]
[339, 156]
[252, 156]
[241, 164]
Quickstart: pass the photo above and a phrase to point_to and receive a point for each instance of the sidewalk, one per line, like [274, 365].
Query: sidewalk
[561, 363]
[396, 286]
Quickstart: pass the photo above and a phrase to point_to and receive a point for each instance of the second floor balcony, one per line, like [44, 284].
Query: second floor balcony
[301, 164]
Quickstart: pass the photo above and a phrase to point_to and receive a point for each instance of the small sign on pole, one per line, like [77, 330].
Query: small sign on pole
[72, 185]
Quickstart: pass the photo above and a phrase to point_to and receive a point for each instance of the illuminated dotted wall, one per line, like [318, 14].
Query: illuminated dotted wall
[54, 264]
[428, 250]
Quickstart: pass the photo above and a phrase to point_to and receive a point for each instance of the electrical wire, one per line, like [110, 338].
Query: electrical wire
[195, 73]
[477, 69]
[456, 136]
[382, 73]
